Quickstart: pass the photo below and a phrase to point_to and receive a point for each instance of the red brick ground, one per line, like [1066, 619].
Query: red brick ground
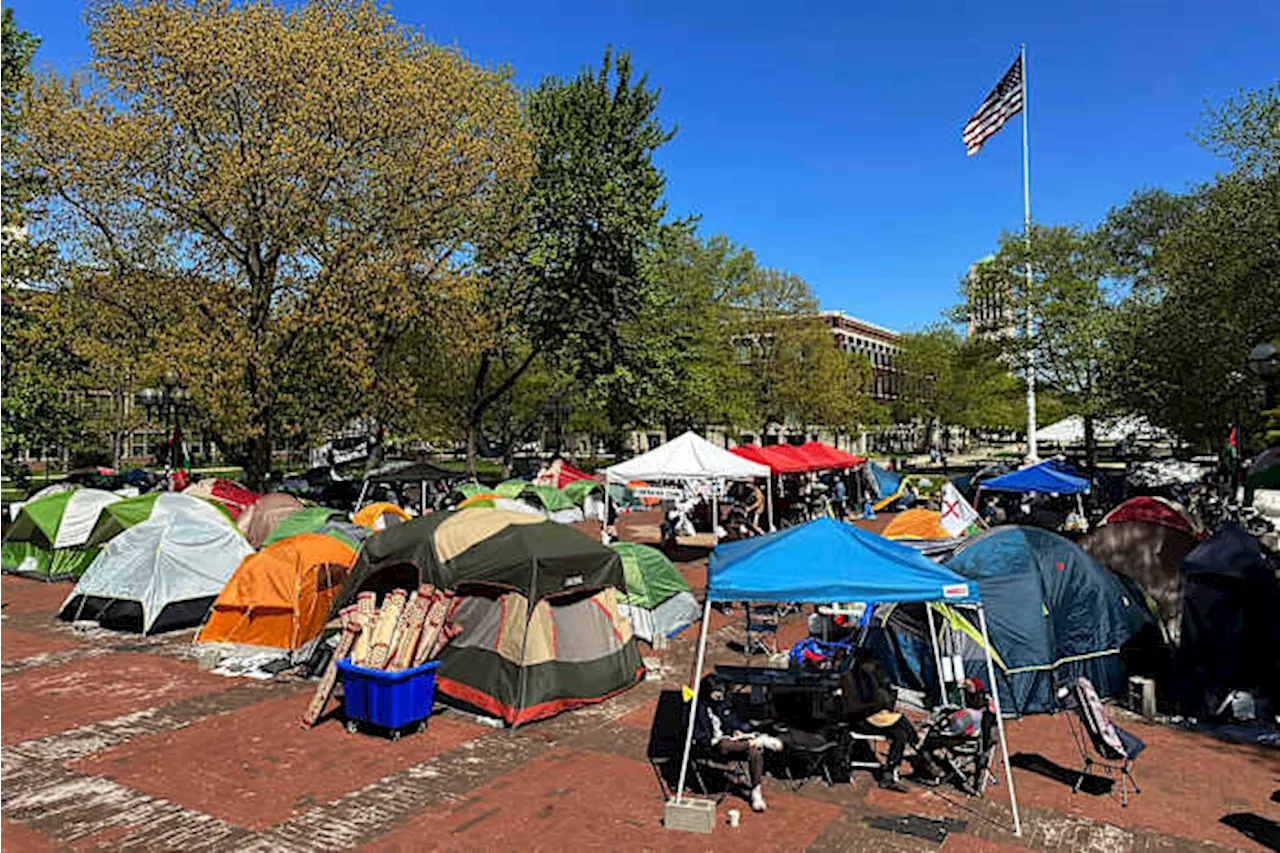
[50, 699]
[585, 800]
[258, 766]
[16, 645]
[26, 595]
[16, 838]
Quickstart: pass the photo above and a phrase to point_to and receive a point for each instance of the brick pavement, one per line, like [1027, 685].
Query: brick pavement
[115, 742]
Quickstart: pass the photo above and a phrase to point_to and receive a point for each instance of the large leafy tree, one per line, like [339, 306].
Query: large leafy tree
[576, 273]
[312, 174]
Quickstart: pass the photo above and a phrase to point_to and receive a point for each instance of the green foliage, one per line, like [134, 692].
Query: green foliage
[1245, 130]
[949, 380]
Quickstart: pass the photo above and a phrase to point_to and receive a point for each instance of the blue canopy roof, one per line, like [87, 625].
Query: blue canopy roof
[1046, 478]
[829, 561]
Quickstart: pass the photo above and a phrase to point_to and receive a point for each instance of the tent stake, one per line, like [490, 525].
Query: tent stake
[1004, 745]
[697, 683]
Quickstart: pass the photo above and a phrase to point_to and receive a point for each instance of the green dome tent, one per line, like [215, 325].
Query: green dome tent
[511, 488]
[537, 602]
[50, 538]
[122, 515]
[658, 600]
[318, 519]
[469, 490]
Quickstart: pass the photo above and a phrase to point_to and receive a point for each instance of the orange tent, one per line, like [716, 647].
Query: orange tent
[371, 516]
[280, 596]
[916, 524]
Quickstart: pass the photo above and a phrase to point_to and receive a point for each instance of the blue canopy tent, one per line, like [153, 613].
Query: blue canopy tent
[1048, 477]
[829, 561]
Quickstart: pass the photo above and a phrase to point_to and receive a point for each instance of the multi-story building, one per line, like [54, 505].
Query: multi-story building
[989, 310]
[880, 345]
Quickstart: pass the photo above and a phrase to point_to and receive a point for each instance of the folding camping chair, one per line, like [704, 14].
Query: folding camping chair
[966, 755]
[664, 751]
[1116, 748]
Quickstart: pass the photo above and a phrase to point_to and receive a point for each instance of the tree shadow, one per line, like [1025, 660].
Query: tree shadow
[1256, 827]
[1095, 786]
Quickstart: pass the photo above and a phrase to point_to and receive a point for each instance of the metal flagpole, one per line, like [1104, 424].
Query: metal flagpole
[1026, 226]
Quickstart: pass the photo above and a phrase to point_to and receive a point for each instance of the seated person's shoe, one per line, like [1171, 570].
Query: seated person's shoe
[891, 782]
[757, 800]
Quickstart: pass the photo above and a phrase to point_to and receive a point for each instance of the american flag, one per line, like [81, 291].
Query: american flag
[1003, 103]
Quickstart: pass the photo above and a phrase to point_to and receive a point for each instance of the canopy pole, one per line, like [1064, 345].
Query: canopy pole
[697, 683]
[937, 653]
[715, 515]
[422, 506]
[364, 487]
[1004, 744]
[604, 516]
[768, 480]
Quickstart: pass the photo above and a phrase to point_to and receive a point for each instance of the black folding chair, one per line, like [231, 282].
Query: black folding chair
[666, 748]
[965, 758]
[1116, 748]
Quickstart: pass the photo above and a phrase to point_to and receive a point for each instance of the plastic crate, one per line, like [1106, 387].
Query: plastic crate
[391, 700]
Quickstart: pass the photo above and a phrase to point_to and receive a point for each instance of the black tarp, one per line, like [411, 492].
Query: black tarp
[1230, 622]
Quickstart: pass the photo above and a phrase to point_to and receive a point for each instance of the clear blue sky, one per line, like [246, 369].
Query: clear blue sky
[826, 136]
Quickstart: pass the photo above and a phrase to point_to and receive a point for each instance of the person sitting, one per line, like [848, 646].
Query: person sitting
[720, 731]
[869, 709]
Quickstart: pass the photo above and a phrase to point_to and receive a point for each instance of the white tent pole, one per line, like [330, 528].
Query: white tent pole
[604, 519]
[715, 515]
[364, 487]
[697, 683]
[937, 653]
[768, 497]
[1004, 745]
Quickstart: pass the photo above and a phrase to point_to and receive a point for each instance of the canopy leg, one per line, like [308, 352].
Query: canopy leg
[937, 654]
[1004, 744]
[693, 707]
[769, 497]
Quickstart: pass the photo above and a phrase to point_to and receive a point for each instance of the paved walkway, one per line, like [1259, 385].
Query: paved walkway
[115, 742]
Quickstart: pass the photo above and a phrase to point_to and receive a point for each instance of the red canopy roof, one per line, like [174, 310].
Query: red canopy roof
[829, 456]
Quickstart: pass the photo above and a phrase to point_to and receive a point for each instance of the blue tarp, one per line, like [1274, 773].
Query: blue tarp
[829, 561]
[1045, 478]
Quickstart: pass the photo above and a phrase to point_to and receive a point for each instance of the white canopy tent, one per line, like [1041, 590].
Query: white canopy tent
[1071, 430]
[687, 458]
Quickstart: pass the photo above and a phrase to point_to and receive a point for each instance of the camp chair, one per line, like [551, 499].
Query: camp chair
[666, 745]
[762, 628]
[966, 756]
[1116, 748]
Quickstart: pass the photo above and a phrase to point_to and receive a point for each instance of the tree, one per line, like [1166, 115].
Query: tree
[1245, 130]
[1072, 315]
[292, 162]
[564, 287]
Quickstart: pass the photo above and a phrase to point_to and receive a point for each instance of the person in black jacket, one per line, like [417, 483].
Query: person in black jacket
[869, 709]
[720, 731]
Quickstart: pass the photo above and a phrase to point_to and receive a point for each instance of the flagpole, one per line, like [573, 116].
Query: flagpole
[1026, 230]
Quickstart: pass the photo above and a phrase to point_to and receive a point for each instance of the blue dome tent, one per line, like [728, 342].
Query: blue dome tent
[1054, 613]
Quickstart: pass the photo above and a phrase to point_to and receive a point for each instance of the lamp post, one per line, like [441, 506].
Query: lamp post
[171, 399]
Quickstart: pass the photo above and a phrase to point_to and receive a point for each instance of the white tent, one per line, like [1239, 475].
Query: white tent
[1071, 430]
[161, 574]
[689, 457]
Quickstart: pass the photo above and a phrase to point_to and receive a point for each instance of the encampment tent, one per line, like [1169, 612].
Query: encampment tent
[829, 561]
[265, 513]
[161, 574]
[916, 524]
[658, 600]
[380, 515]
[318, 519]
[559, 474]
[118, 517]
[1046, 478]
[1055, 612]
[1264, 473]
[1230, 634]
[427, 476]
[280, 597]
[233, 496]
[1147, 541]
[48, 540]
[538, 606]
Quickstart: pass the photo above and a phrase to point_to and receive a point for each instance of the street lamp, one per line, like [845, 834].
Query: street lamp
[170, 399]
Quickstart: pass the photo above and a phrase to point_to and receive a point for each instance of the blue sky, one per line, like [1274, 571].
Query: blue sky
[826, 136]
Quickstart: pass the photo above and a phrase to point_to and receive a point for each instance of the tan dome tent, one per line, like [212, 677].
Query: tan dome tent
[264, 514]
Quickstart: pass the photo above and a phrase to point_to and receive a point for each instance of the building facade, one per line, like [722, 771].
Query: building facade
[989, 304]
[878, 344]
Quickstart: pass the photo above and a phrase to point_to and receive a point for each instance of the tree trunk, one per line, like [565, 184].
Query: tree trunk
[259, 461]
[1090, 446]
[473, 440]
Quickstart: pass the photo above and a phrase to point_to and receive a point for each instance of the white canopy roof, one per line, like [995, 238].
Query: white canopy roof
[689, 457]
[1071, 430]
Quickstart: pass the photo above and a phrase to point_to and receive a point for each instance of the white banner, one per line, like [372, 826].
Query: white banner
[957, 515]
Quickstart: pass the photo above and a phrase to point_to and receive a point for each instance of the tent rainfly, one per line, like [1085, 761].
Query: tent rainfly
[840, 563]
[1046, 478]
[48, 538]
[257, 521]
[425, 474]
[688, 458]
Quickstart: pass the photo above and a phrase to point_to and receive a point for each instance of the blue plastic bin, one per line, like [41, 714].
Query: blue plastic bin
[392, 700]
